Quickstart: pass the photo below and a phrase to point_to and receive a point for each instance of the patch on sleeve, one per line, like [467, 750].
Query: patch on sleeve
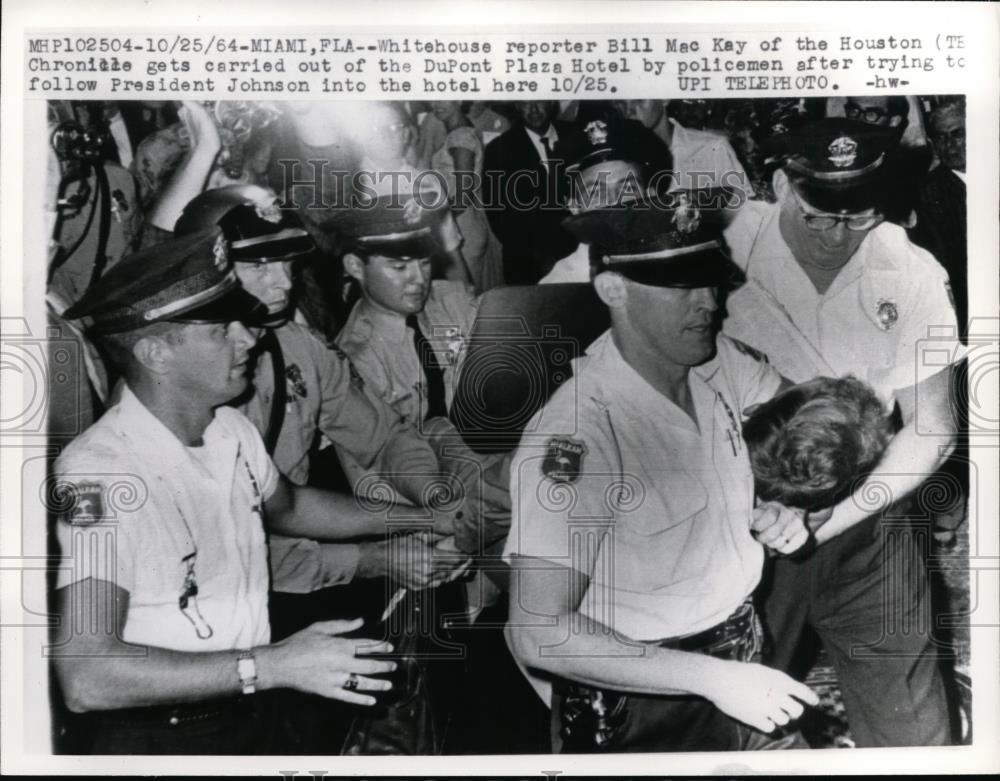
[563, 460]
[747, 350]
[356, 379]
[86, 503]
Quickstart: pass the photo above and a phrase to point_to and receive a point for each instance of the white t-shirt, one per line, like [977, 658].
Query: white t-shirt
[159, 519]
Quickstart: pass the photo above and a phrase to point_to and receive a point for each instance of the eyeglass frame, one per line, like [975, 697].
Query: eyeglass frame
[809, 218]
[857, 111]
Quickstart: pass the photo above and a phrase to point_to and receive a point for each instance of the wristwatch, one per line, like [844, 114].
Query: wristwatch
[246, 668]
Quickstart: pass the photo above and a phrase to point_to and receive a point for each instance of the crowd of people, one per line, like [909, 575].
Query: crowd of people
[273, 304]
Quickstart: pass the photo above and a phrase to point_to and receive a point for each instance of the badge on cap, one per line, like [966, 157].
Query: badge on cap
[220, 252]
[597, 132]
[564, 459]
[270, 212]
[886, 313]
[843, 151]
[686, 217]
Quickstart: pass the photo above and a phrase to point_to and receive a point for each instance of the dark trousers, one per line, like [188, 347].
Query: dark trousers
[235, 726]
[591, 720]
[866, 595]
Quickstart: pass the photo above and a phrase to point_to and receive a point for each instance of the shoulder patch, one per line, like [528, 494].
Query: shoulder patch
[86, 503]
[563, 460]
[747, 350]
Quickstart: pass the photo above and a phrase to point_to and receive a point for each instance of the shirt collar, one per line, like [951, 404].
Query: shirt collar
[552, 134]
[619, 377]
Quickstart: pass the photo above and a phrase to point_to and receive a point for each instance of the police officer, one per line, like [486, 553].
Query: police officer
[302, 388]
[632, 534]
[165, 499]
[833, 290]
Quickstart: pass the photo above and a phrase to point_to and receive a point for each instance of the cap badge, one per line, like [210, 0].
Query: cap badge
[886, 314]
[597, 132]
[843, 152]
[686, 217]
[564, 459]
[221, 252]
[268, 211]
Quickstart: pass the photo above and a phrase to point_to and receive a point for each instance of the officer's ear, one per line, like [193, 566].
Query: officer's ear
[152, 353]
[354, 266]
[611, 289]
[779, 180]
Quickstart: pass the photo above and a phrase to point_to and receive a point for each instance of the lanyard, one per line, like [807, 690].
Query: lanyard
[733, 432]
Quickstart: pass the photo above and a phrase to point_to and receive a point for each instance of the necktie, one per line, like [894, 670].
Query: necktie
[547, 144]
[433, 372]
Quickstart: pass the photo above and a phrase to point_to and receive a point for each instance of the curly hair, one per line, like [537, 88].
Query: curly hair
[810, 445]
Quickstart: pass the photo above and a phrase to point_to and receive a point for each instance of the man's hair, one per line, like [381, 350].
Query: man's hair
[810, 445]
[117, 348]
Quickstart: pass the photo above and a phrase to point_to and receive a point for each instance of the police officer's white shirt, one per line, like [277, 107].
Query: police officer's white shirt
[147, 502]
[887, 317]
[675, 552]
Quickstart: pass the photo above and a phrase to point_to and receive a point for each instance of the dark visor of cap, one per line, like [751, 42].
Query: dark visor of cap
[710, 268]
[404, 245]
[286, 245]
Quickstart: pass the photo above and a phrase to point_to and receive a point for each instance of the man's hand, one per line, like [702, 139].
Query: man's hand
[200, 128]
[414, 561]
[780, 528]
[760, 696]
[318, 661]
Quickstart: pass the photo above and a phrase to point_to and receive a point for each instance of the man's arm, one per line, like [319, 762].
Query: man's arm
[189, 178]
[328, 516]
[548, 632]
[95, 674]
[912, 455]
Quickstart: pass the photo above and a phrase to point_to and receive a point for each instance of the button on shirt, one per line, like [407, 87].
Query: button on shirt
[886, 318]
[146, 502]
[665, 502]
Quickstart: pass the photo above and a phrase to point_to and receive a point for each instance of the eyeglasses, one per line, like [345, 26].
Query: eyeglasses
[825, 222]
[870, 115]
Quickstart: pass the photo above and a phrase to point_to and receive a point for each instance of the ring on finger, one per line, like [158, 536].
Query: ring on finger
[351, 683]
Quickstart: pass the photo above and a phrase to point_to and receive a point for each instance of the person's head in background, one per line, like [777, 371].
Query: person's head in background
[946, 129]
[648, 112]
[881, 110]
[386, 132]
[691, 114]
[811, 445]
[537, 115]
[450, 112]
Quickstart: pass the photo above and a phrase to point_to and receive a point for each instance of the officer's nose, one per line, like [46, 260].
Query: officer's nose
[416, 274]
[838, 233]
[242, 337]
[706, 299]
[281, 275]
